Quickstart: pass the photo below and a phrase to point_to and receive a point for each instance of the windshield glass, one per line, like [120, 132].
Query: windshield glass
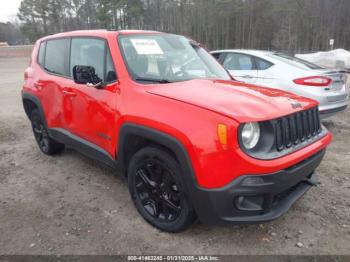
[297, 61]
[167, 58]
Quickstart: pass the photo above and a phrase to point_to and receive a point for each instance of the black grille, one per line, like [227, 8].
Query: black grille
[294, 129]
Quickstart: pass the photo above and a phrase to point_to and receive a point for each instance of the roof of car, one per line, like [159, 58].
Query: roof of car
[245, 51]
[99, 33]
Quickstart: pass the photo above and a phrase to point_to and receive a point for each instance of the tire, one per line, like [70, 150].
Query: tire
[46, 144]
[158, 192]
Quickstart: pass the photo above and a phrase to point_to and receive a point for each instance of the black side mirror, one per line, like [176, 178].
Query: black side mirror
[86, 75]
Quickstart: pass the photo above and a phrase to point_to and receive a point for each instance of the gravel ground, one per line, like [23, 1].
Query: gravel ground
[68, 204]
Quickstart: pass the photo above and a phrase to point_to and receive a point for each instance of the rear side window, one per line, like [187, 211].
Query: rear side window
[262, 64]
[234, 61]
[57, 56]
[41, 55]
[88, 52]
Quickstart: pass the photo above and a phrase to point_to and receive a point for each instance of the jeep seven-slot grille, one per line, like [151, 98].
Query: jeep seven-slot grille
[294, 129]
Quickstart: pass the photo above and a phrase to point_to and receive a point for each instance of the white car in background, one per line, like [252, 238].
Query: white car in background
[280, 71]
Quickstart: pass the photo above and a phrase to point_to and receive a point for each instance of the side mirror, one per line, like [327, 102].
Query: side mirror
[86, 75]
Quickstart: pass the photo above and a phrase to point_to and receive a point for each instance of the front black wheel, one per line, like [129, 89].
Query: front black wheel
[158, 191]
[46, 144]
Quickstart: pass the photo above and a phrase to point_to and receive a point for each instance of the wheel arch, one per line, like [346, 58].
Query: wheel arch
[31, 102]
[150, 136]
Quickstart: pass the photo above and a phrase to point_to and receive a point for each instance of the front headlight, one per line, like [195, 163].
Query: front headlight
[250, 135]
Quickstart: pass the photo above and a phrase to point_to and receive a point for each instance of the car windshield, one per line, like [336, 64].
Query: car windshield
[166, 58]
[295, 60]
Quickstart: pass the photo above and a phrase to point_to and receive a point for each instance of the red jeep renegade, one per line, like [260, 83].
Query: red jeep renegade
[191, 141]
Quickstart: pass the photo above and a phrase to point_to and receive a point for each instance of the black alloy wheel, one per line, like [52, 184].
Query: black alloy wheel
[40, 133]
[46, 144]
[158, 191]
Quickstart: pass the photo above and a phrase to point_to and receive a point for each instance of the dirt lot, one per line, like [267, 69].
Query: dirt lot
[69, 204]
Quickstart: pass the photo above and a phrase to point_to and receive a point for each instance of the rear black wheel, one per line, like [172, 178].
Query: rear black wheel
[157, 190]
[46, 144]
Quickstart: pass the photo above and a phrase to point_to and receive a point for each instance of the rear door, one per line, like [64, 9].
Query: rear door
[241, 66]
[93, 111]
[54, 61]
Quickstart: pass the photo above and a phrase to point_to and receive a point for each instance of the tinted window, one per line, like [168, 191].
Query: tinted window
[88, 52]
[110, 71]
[41, 56]
[262, 64]
[56, 58]
[238, 62]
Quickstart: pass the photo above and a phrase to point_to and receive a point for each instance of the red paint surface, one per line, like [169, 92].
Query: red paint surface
[189, 111]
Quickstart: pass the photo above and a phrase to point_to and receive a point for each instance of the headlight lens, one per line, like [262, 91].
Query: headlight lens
[250, 135]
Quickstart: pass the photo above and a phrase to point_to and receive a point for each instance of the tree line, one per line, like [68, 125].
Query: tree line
[288, 25]
[10, 34]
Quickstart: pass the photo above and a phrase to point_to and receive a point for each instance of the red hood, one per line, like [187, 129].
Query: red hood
[237, 100]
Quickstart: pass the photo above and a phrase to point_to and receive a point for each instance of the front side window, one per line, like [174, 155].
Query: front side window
[88, 52]
[56, 56]
[168, 58]
[235, 61]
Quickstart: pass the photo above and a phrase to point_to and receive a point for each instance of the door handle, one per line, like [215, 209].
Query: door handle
[69, 93]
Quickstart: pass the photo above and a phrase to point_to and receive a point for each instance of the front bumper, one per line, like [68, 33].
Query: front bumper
[264, 198]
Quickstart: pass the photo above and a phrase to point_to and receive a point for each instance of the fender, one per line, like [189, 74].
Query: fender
[34, 99]
[166, 140]
[158, 137]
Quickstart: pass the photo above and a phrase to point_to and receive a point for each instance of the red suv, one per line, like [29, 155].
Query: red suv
[191, 141]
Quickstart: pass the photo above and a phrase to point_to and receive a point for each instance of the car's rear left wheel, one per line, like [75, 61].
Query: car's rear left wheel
[158, 191]
[46, 144]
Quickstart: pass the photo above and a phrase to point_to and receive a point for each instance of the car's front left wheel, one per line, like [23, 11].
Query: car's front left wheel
[158, 191]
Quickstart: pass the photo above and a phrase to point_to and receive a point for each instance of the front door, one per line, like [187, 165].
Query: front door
[94, 110]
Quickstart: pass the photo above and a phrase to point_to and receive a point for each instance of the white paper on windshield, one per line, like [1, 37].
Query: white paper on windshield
[146, 46]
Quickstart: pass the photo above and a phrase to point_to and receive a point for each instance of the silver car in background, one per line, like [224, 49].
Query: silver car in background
[280, 71]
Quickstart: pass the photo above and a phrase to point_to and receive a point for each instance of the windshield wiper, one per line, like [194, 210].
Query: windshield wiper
[155, 80]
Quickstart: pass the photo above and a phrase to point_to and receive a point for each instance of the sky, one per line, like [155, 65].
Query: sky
[9, 9]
